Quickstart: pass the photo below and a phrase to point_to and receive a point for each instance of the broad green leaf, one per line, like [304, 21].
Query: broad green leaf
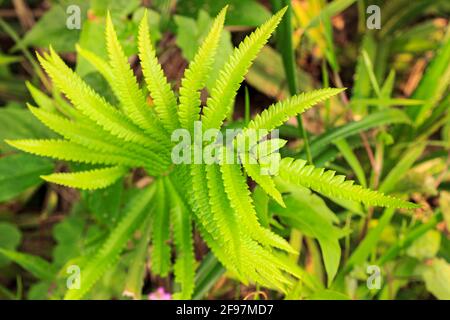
[261, 200]
[330, 10]
[191, 33]
[304, 215]
[305, 195]
[39, 291]
[405, 163]
[134, 214]
[255, 13]
[409, 238]
[68, 235]
[386, 102]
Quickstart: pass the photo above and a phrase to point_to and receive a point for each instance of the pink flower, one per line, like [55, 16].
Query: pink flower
[160, 294]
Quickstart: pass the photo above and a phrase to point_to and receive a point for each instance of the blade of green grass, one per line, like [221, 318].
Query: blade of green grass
[414, 234]
[37, 266]
[369, 67]
[382, 117]
[207, 275]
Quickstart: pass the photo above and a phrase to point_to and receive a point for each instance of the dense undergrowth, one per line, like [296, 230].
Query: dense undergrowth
[100, 200]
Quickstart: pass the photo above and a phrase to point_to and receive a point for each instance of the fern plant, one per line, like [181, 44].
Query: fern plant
[114, 139]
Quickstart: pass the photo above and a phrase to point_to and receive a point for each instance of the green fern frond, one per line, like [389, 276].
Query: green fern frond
[127, 90]
[216, 197]
[329, 184]
[261, 266]
[90, 103]
[278, 113]
[134, 214]
[232, 74]
[160, 91]
[250, 266]
[191, 185]
[224, 216]
[267, 147]
[196, 75]
[160, 254]
[88, 180]
[94, 138]
[239, 195]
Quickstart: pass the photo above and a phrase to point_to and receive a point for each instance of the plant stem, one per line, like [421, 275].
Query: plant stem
[326, 84]
[12, 33]
[284, 44]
